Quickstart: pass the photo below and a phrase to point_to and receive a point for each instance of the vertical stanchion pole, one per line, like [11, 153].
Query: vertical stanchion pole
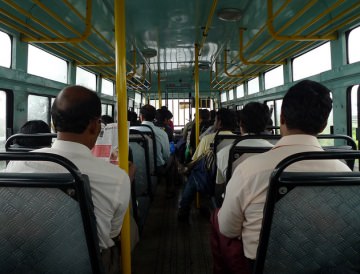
[197, 114]
[121, 94]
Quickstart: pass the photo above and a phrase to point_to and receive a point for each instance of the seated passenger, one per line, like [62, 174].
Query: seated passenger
[147, 117]
[236, 226]
[76, 115]
[163, 116]
[33, 127]
[107, 119]
[224, 121]
[253, 119]
[200, 178]
[204, 121]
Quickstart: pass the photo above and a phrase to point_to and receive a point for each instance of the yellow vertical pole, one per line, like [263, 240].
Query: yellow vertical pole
[159, 90]
[121, 92]
[197, 114]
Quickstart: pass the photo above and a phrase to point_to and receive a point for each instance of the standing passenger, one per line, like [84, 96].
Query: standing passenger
[236, 226]
[76, 115]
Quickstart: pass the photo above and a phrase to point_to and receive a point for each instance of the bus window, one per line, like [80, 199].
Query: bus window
[312, 62]
[231, 94]
[107, 87]
[223, 97]
[353, 45]
[2, 119]
[240, 91]
[85, 78]
[274, 77]
[40, 61]
[5, 52]
[253, 86]
[38, 108]
[278, 104]
[354, 111]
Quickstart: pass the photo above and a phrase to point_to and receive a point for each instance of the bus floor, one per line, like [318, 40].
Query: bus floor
[168, 246]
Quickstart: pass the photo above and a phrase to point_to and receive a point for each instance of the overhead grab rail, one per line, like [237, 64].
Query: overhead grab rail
[223, 86]
[207, 26]
[246, 62]
[241, 75]
[275, 35]
[79, 39]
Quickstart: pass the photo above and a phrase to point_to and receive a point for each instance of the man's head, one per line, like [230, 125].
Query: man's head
[33, 127]
[305, 108]
[107, 119]
[76, 115]
[147, 113]
[254, 118]
[204, 114]
[225, 119]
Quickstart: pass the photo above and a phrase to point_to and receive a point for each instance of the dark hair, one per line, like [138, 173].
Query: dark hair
[254, 117]
[107, 119]
[227, 118]
[73, 113]
[306, 106]
[148, 112]
[204, 114]
[33, 127]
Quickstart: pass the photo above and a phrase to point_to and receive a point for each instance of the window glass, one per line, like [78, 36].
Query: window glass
[274, 77]
[312, 62]
[354, 111]
[38, 108]
[5, 52]
[85, 78]
[231, 94]
[39, 62]
[110, 110]
[278, 104]
[271, 106]
[353, 45]
[2, 120]
[330, 123]
[107, 87]
[223, 97]
[253, 86]
[137, 98]
[240, 91]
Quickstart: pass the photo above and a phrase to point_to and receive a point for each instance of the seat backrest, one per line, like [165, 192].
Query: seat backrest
[10, 146]
[47, 220]
[311, 220]
[146, 129]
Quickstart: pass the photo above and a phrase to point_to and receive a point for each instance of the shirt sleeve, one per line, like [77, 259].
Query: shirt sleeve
[201, 148]
[231, 214]
[124, 199]
[166, 148]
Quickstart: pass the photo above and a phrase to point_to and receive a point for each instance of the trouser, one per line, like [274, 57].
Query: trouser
[111, 260]
[228, 253]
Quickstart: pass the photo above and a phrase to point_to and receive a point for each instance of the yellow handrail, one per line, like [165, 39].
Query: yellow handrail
[241, 75]
[159, 89]
[120, 53]
[79, 39]
[207, 26]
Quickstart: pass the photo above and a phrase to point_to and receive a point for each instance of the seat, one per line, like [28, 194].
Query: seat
[311, 221]
[10, 146]
[47, 220]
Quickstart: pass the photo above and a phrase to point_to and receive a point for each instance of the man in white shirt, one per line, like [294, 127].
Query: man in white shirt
[147, 116]
[236, 226]
[253, 119]
[76, 115]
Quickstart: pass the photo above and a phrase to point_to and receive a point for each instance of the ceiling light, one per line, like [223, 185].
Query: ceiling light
[149, 52]
[229, 14]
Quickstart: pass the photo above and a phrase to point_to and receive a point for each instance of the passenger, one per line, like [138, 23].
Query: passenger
[200, 179]
[236, 226]
[107, 119]
[133, 118]
[33, 127]
[163, 116]
[147, 117]
[253, 119]
[204, 121]
[76, 115]
[211, 128]
[225, 121]
[187, 128]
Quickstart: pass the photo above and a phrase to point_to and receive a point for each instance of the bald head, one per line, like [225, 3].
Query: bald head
[74, 108]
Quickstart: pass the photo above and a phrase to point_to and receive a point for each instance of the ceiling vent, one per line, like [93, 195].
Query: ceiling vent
[229, 14]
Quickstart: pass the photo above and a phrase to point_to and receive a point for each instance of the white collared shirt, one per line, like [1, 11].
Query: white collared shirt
[162, 144]
[110, 185]
[222, 157]
[242, 210]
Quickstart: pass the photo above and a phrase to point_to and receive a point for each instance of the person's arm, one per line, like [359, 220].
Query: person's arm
[200, 149]
[122, 205]
[231, 213]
